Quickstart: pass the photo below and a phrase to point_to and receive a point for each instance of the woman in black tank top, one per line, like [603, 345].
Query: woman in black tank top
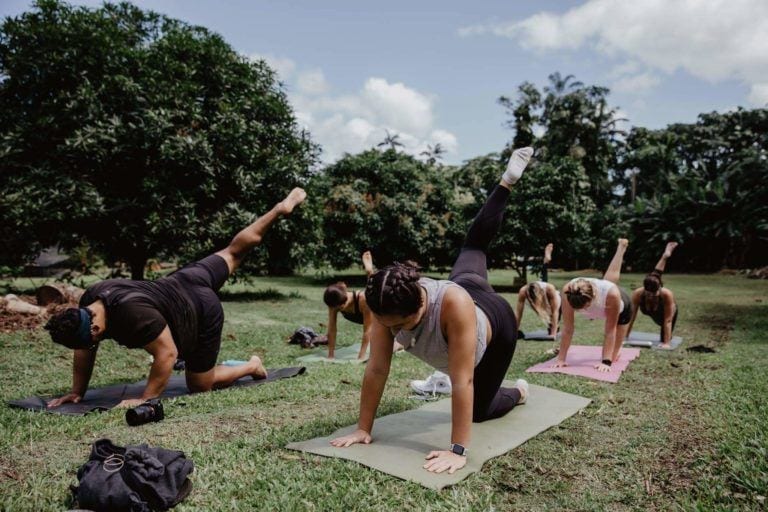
[352, 306]
[656, 301]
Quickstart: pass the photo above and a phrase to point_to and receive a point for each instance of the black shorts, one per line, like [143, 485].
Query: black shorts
[626, 314]
[202, 280]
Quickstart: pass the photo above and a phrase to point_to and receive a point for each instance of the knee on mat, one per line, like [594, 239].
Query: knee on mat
[198, 388]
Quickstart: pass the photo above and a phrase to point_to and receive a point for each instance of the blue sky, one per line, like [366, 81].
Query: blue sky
[431, 71]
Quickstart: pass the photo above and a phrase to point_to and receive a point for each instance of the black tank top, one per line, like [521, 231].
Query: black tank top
[657, 314]
[357, 315]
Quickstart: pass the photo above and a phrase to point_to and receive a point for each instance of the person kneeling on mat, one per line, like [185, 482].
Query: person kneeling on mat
[176, 316]
[460, 326]
[598, 298]
[657, 301]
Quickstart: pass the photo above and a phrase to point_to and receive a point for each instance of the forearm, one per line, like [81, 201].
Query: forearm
[565, 342]
[82, 368]
[461, 416]
[159, 373]
[608, 343]
[667, 330]
[370, 396]
[331, 341]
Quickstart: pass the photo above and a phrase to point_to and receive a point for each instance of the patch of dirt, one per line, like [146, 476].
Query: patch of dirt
[12, 321]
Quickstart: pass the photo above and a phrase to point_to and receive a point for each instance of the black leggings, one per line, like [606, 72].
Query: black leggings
[470, 272]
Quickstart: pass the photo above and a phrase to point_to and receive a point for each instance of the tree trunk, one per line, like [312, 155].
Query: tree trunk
[137, 264]
[58, 293]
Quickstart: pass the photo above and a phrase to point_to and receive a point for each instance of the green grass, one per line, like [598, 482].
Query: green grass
[680, 431]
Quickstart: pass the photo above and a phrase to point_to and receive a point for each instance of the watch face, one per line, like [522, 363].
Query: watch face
[458, 449]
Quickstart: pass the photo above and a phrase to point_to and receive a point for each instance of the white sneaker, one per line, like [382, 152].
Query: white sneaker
[522, 385]
[438, 382]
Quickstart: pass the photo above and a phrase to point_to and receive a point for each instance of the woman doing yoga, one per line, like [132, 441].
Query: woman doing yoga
[460, 326]
[656, 301]
[543, 297]
[598, 298]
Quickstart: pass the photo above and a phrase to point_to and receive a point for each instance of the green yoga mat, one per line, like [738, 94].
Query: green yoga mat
[400, 441]
[340, 355]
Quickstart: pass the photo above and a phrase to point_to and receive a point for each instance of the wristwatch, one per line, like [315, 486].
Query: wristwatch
[459, 449]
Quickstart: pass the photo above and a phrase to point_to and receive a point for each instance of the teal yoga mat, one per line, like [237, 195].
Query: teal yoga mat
[400, 441]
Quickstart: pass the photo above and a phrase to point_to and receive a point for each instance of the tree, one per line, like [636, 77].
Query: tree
[139, 134]
[390, 140]
[433, 153]
[385, 201]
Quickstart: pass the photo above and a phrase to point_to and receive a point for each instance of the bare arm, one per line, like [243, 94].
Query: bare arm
[567, 333]
[554, 316]
[164, 354]
[460, 325]
[612, 310]
[637, 296]
[374, 380]
[520, 308]
[82, 368]
[332, 314]
[669, 314]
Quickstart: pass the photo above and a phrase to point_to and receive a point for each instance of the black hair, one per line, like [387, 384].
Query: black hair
[335, 295]
[651, 284]
[64, 326]
[395, 290]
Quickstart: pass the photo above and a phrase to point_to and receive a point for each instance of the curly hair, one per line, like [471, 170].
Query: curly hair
[335, 295]
[580, 293]
[395, 290]
[63, 327]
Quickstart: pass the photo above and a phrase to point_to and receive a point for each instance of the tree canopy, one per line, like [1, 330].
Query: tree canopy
[140, 134]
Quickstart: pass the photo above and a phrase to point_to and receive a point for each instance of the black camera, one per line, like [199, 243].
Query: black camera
[148, 412]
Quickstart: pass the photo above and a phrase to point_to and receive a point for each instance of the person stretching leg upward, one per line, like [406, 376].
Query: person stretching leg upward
[176, 316]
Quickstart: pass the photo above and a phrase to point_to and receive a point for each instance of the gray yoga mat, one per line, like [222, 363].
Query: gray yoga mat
[340, 355]
[540, 335]
[105, 398]
[401, 441]
[650, 340]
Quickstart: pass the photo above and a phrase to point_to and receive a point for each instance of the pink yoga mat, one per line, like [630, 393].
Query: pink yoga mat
[582, 360]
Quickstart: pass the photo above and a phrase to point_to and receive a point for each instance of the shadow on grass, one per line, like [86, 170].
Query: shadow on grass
[269, 294]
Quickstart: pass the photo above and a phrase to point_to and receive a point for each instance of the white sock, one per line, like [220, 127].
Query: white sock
[516, 164]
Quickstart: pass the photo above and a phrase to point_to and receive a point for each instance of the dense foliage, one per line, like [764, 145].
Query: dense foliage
[139, 136]
[130, 135]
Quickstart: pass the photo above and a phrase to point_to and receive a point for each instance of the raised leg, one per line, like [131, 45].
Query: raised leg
[662, 264]
[487, 222]
[251, 236]
[613, 274]
[368, 263]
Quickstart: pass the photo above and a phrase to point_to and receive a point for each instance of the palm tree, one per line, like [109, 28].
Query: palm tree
[391, 141]
[433, 153]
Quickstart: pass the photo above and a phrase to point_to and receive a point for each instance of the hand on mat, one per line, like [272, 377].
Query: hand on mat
[69, 397]
[131, 402]
[602, 368]
[358, 436]
[440, 460]
[559, 364]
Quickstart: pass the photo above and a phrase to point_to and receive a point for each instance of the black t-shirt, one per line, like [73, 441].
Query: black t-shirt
[138, 311]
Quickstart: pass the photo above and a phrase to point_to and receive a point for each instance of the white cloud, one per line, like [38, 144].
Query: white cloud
[312, 82]
[711, 39]
[355, 122]
[636, 84]
[284, 67]
[758, 95]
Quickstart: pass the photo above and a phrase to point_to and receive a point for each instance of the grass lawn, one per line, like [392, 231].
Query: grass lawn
[680, 431]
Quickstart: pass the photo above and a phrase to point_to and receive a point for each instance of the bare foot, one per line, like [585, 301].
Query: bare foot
[623, 243]
[665, 346]
[548, 253]
[292, 200]
[668, 250]
[259, 372]
[368, 262]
